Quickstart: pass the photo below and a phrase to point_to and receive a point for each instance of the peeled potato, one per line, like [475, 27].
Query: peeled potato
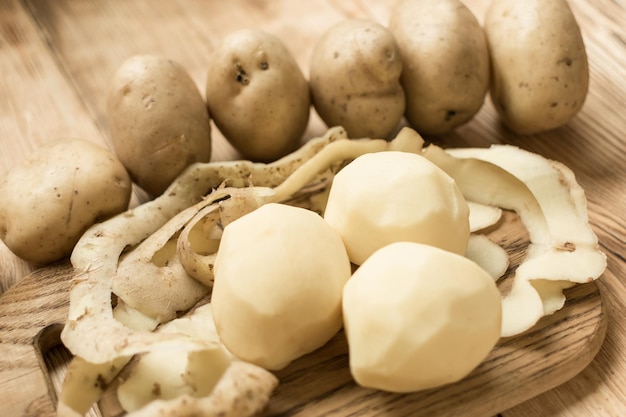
[385, 197]
[418, 317]
[279, 274]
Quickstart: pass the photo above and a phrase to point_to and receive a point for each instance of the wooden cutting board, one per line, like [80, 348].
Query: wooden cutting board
[519, 368]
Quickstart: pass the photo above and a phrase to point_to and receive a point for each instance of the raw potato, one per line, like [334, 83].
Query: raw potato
[279, 275]
[445, 63]
[436, 316]
[355, 79]
[49, 200]
[540, 72]
[257, 95]
[158, 120]
[386, 197]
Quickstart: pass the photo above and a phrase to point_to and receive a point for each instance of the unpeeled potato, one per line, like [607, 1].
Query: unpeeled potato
[158, 121]
[445, 62]
[257, 95]
[540, 72]
[48, 200]
[355, 79]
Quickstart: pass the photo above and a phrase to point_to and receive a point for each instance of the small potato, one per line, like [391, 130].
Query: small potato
[48, 201]
[257, 95]
[355, 79]
[540, 71]
[445, 62]
[158, 120]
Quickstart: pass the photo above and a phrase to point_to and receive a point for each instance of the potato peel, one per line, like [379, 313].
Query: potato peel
[487, 183]
[168, 374]
[483, 216]
[568, 256]
[166, 289]
[243, 391]
[488, 255]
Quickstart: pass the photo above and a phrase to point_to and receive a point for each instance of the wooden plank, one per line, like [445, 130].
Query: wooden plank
[27, 315]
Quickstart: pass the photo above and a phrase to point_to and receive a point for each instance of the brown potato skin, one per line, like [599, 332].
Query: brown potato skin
[355, 79]
[257, 95]
[445, 63]
[51, 198]
[158, 121]
[540, 73]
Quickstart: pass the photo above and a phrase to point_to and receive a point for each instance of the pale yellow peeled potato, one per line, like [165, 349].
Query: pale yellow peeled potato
[279, 275]
[418, 317]
[540, 72]
[385, 197]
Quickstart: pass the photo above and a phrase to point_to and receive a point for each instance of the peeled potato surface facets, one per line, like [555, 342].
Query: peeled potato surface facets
[418, 317]
[279, 275]
[385, 197]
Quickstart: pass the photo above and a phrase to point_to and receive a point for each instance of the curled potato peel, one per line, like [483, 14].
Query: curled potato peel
[243, 391]
[563, 249]
[176, 373]
[156, 257]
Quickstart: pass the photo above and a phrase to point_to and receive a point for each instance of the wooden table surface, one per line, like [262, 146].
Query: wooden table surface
[57, 58]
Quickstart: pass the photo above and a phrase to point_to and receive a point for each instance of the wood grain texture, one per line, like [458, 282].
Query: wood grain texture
[31, 316]
[56, 59]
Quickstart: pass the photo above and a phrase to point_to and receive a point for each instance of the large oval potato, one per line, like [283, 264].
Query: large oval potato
[50, 199]
[158, 120]
[540, 72]
[355, 79]
[257, 95]
[445, 62]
